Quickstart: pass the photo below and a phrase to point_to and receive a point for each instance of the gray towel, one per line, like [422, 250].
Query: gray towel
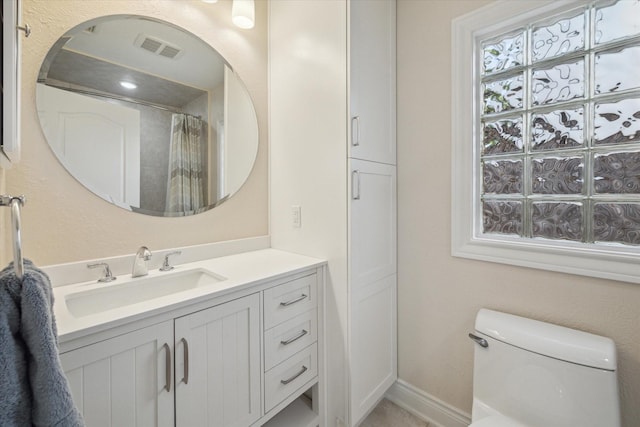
[33, 387]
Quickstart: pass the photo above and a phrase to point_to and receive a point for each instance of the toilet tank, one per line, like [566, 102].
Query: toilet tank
[543, 375]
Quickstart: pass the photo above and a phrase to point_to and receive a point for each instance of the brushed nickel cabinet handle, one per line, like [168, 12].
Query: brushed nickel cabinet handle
[185, 344]
[296, 338]
[355, 185]
[288, 380]
[355, 131]
[167, 368]
[293, 301]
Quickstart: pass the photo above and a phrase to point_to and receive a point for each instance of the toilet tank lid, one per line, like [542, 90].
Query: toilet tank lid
[549, 340]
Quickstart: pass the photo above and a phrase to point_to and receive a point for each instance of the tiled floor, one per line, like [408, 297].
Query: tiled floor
[388, 414]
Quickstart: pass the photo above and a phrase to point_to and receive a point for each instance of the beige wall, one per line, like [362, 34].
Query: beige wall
[64, 222]
[439, 295]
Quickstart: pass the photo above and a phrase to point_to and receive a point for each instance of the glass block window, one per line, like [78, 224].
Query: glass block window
[558, 127]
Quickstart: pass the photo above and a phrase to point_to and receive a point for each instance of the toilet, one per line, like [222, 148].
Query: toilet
[528, 373]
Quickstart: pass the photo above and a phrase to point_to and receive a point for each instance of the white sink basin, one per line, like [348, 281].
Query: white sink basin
[131, 291]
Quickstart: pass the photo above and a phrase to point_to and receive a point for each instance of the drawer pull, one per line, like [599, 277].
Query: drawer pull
[302, 371]
[293, 301]
[296, 338]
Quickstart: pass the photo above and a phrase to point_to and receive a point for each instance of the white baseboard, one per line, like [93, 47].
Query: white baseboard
[426, 407]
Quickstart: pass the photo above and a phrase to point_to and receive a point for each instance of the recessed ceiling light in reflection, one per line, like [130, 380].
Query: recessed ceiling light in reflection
[128, 85]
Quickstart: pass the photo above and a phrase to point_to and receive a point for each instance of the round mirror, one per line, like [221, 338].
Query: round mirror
[147, 116]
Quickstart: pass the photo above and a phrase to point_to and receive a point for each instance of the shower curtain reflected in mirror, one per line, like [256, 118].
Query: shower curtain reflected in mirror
[185, 192]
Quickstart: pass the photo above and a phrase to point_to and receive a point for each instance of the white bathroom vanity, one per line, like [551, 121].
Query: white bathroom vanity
[229, 341]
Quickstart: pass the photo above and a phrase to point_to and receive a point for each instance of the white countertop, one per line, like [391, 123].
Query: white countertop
[240, 271]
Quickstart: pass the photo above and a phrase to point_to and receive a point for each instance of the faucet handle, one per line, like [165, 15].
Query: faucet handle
[165, 264]
[107, 277]
[144, 253]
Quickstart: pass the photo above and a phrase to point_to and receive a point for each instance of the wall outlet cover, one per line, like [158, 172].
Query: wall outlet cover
[296, 216]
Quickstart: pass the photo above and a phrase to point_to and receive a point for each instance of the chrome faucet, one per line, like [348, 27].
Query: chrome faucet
[107, 276]
[140, 262]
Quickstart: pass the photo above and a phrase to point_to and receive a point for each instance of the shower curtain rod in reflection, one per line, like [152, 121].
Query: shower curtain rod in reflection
[118, 98]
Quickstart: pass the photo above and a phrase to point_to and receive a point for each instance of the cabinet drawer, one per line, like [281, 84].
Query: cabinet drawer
[286, 339]
[288, 300]
[287, 377]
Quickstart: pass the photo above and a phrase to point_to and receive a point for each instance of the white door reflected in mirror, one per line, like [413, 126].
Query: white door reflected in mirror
[108, 162]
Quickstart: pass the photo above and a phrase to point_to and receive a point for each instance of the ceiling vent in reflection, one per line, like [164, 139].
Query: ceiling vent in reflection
[157, 46]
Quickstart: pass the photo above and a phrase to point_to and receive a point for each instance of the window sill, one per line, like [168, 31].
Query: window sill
[616, 264]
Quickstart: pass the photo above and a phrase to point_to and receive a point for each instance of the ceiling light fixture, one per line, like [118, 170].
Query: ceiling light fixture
[243, 13]
[210, 1]
[128, 85]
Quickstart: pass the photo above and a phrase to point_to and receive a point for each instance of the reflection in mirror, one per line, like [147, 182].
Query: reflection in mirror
[147, 116]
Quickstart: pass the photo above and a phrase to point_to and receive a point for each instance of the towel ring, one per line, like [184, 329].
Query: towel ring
[15, 203]
[18, 264]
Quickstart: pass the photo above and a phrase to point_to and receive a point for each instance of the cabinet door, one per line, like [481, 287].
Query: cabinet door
[373, 80]
[373, 345]
[123, 381]
[10, 99]
[373, 222]
[218, 365]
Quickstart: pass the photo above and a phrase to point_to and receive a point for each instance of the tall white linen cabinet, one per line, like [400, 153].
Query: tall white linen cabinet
[332, 93]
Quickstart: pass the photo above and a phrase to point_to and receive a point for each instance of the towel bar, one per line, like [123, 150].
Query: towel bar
[15, 203]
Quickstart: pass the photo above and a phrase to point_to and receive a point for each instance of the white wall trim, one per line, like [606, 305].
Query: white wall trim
[11, 82]
[426, 407]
